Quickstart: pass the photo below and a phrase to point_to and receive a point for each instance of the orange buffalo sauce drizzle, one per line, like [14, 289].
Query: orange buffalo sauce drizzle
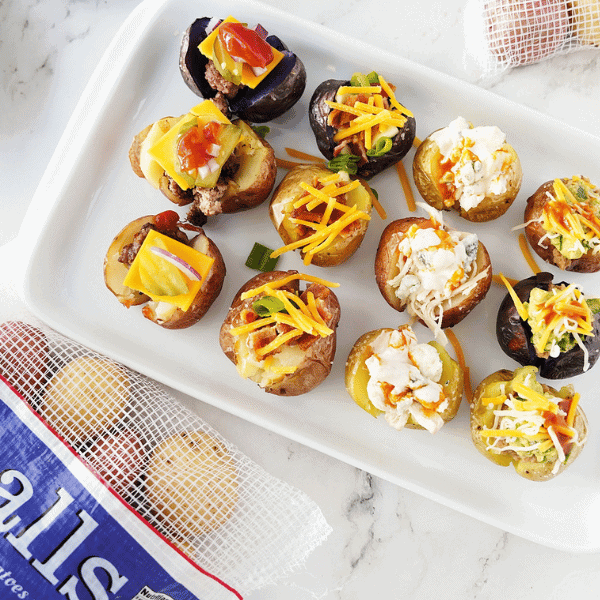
[460, 357]
[527, 254]
[410, 199]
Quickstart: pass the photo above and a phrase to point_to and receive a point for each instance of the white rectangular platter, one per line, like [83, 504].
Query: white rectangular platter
[89, 193]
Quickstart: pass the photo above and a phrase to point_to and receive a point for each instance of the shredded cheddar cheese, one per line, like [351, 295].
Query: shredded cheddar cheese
[408, 194]
[527, 254]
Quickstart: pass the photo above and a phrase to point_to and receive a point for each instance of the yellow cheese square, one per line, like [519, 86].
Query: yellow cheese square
[164, 151]
[200, 262]
[248, 77]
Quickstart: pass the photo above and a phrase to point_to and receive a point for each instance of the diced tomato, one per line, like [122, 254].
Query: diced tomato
[244, 43]
[194, 144]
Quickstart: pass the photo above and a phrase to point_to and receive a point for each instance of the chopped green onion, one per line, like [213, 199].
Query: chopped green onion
[267, 305]
[373, 78]
[344, 162]
[260, 258]
[382, 145]
[359, 80]
[374, 192]
[261, 130]
[594, 305]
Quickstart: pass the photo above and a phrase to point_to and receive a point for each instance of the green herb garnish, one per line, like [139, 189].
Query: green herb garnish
[344, 162]
[260, 258]
[261, 130]
[382, 146]
[267, 306]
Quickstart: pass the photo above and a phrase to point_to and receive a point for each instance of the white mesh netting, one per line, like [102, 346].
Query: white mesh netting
[202, 493]
[501, 34]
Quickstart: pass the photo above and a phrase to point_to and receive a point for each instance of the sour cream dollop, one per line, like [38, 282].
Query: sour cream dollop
[479, 162]
[404, 376]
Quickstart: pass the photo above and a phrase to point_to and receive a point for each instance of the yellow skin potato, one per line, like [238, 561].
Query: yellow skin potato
[249, 186]
[281, 207]
[482, 417]
[357, 377]
[115, 273]
[587, 263]
[313, 362]
[386, 268]
[427, 174]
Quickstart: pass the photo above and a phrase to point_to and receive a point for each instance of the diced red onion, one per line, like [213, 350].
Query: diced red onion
[258, 71]
[177, 262]
[203, 171]
[214, 149]
[212, 165]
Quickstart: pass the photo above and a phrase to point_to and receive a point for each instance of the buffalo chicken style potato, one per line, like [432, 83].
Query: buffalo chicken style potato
[472, 170]
[414, 385]
[206, 160]
[279, 336]
[562, 224]
[517, 420]
[323, 214]
[554, 327]
[245, 71]
[436, 274]
[151, 261]
[360, 122]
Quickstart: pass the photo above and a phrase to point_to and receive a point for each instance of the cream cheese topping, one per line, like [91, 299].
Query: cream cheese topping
[478, 159]
[403, 380]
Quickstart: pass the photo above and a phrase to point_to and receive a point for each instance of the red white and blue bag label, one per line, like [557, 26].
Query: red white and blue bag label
[64, 535]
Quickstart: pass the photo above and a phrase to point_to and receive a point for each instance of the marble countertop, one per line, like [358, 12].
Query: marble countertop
[386, 541]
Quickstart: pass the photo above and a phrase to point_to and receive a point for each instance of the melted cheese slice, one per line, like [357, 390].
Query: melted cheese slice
[248, 76]
[149, 272]
[164, 151]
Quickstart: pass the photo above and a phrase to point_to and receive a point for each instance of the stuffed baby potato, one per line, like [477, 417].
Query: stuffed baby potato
[436, 274]
[245, 71]
[151, 261]
[414, 385]
[203, 158]
[472, 170]
[309, 205]
[552, 326]
[517, 420]
[279, 336]
[562, 220]
[360, 122]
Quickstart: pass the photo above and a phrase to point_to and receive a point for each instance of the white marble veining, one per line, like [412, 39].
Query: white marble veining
[387, 543]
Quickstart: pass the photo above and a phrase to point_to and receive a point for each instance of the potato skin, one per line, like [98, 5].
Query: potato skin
[115, 272]
[514, 335]
[318, 112]
[357, 375]
[318, 358]
[288, 191]
[426, 176]
[249, 186]
[386, 268]
[587, 263]
[482, 418]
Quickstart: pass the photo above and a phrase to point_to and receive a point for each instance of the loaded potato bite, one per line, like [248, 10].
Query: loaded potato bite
[325, 215]
[517, 420]
[244, 70]
[281, 337]
[151, 261]
[412, 384]
[436, 274]
[552, 326]
[360, 124]
[472, 170]
[562, 224]
[206, 160]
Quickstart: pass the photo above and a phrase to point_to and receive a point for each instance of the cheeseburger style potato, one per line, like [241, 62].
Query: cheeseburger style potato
[414, 385]
[279, 336]
[562, 224]
[151, 261]
[517, 420]
[436, 274]
[372, 145]
[472, 170]
[246, 72]
[299, 212]
[554, 327]
[204, 159]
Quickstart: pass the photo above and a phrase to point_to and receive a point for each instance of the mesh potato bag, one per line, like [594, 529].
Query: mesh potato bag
[501, 34]
[199, 493]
